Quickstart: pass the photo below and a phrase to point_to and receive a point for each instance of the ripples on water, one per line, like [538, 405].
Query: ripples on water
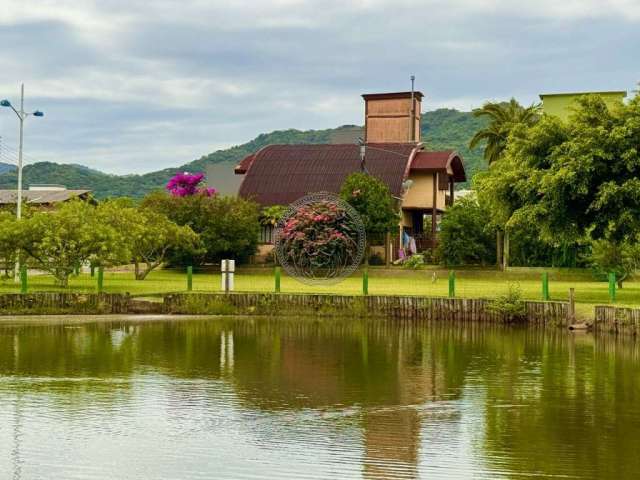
[240, 399]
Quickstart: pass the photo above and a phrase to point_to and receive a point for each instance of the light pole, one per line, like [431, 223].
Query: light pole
[22, 115]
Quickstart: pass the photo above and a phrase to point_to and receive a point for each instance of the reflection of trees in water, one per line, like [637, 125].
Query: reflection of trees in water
[551, 402]
[563, 404]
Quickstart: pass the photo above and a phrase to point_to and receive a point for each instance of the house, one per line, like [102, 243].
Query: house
[422, 181]
[559, 104]
[43, 196]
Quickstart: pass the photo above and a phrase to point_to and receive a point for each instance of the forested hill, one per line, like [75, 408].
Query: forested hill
[6, 167]
[441, 129]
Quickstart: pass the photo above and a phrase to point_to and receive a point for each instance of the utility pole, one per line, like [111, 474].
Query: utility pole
[22, 115]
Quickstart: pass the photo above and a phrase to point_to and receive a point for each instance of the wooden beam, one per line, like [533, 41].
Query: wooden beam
[451, 191]
[434, 210]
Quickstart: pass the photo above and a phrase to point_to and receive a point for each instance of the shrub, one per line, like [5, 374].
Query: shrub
[621, 258]
[228, 226]
[414, 261]
[464, 236]
[320, 237]
[510, 305]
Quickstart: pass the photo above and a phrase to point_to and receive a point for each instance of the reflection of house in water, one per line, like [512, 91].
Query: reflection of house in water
[387, 374]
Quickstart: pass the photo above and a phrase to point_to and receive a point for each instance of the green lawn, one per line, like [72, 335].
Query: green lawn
[470, 283]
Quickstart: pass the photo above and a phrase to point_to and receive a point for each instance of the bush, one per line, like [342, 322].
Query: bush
[510, 305]
[320, 237]
[465, 237]
[228, 227]
[623, 259]
[414, 261]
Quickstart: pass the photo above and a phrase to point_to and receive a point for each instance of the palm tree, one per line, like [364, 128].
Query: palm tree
[503, 117]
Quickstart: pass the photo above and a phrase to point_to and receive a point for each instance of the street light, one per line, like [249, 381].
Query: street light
[22, 115]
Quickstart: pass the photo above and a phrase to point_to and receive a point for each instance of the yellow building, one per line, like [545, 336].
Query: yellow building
[560, 104]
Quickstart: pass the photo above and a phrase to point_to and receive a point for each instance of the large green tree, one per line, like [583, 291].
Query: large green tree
[150, 235]
[9, 241]
[60, 240]
[581, 177]
[503, 117]
[571, 180]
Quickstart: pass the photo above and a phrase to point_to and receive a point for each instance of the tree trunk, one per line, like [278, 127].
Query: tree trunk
[149, 267]
[505, 252]
[137, 270]
[141, 275]
[499, 248]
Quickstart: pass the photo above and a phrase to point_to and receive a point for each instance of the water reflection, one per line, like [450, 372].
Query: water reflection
[237, 398]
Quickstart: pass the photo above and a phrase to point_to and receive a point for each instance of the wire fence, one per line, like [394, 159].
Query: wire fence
[432, 283]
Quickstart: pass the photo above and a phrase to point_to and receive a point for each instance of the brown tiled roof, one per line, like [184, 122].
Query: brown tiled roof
[280, 174]
[244, 164]
[443, 160]
[41, 197]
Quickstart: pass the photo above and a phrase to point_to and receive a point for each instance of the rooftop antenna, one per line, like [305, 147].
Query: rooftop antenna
[413, 110]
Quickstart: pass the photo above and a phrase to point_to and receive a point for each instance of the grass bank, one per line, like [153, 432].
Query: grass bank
[470, 283]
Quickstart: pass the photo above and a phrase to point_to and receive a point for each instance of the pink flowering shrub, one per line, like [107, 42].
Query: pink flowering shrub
[319, 238]
[187, 184]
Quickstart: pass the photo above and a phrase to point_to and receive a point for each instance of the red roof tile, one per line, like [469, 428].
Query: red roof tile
[280, 174]
[440, 161]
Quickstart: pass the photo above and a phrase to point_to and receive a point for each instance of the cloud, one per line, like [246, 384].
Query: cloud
[134, 86]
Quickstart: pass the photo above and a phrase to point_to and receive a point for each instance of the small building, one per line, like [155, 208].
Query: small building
[422, 181]
[43, 196]
[559, 104]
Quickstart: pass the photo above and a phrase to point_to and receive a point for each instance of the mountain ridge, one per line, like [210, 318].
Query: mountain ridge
[441, 129]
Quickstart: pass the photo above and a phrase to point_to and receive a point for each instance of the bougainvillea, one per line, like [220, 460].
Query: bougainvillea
[320, 240]
[185, 184]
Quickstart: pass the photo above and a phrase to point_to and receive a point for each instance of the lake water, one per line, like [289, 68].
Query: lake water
[248, 398]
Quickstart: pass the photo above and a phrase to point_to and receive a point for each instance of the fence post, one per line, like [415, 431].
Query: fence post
[277, 279]
[100, 279]
[23, 279]
[612, 287]
[545, 287]
[365, 281]
[452, 284]
[572, 306]
[189, 278]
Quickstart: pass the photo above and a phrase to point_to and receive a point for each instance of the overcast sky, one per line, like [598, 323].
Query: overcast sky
[134, 86]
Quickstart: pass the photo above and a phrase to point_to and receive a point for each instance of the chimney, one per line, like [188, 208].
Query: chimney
[392, 117]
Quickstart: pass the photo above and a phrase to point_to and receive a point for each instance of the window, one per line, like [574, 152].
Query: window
[266, 235]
